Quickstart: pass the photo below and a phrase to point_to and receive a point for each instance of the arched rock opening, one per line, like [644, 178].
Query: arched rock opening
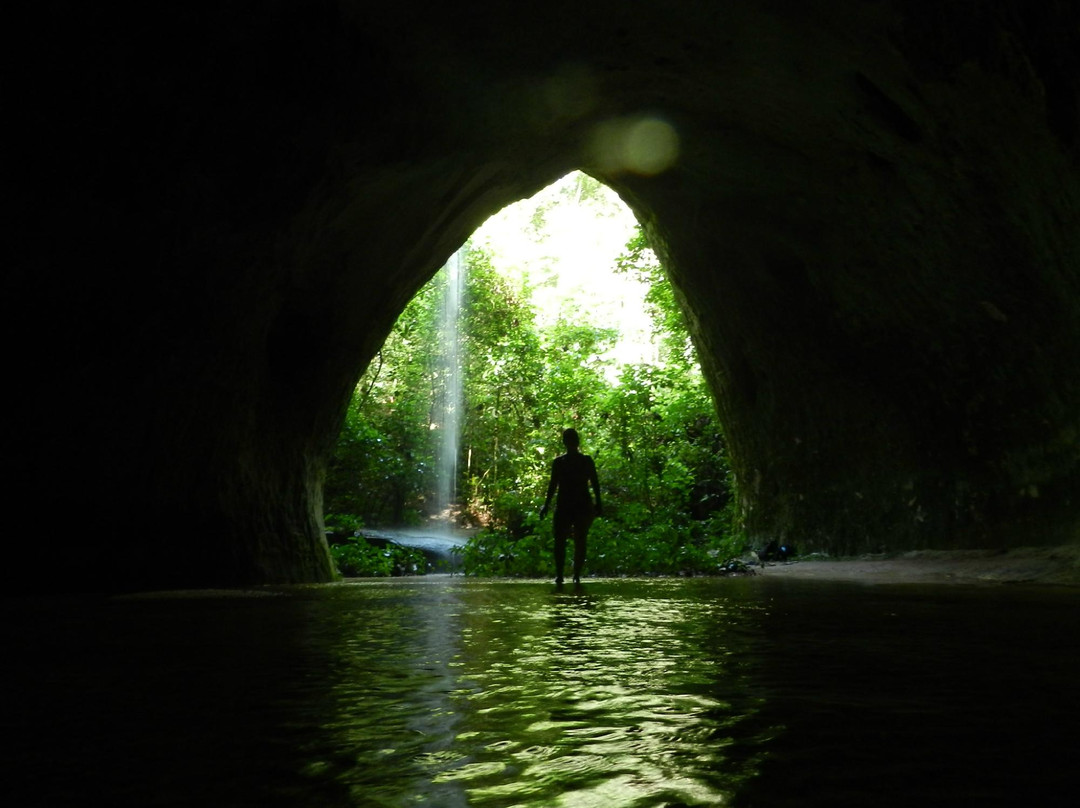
[871, 222]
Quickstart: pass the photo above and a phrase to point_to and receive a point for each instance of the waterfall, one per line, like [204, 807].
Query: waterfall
[449, 415]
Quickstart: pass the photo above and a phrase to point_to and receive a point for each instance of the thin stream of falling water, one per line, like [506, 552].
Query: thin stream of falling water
[450, 420]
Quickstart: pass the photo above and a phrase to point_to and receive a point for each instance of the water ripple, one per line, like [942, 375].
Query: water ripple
[629, 694]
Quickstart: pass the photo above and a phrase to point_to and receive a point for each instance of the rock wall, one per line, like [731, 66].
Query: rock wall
[869, 211]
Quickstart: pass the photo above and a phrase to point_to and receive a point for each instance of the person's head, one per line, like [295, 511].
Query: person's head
[570, 438]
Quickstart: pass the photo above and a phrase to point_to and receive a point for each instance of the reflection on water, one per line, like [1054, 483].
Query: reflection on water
[447, 692]
[597, 699]
[511, 694]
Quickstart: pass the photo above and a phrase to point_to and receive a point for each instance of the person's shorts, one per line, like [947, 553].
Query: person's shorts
[578, 519]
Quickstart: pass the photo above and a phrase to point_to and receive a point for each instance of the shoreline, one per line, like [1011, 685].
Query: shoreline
[1056, 566]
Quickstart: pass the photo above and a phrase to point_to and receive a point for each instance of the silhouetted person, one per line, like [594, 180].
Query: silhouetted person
[572, 474]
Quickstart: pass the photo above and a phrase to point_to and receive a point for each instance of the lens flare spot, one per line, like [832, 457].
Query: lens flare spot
[641, 145]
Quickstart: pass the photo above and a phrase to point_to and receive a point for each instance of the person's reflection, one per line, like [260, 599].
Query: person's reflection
[572, 476]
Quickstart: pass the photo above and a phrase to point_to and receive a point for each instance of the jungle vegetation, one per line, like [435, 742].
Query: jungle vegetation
[650, 426]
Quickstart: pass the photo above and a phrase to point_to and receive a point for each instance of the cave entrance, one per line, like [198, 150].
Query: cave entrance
[565, 318]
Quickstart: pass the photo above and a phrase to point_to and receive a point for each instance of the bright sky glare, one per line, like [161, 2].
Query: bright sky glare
[570, 261]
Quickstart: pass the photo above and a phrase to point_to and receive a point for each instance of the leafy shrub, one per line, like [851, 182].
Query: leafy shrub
[358, 558]
[343, 523]
[497, 553]
[616, 547]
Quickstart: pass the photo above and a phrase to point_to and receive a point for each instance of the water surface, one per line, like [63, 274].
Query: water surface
[452, 692]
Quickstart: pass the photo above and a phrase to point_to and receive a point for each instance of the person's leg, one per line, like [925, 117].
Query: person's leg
[581, 533]
[562, 530]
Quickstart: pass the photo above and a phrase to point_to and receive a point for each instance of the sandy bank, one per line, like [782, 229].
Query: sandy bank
[1058, 566]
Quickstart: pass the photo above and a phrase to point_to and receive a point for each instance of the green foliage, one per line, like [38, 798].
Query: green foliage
[634, 544]
[382, 467]
[498, 553]
[343, 523]
[357, 558]
[503, 360]
[669, 322]
[658, 447]
[651, 428]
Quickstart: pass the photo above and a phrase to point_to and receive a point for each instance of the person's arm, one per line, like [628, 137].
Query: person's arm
[552, 485]
[594, 481]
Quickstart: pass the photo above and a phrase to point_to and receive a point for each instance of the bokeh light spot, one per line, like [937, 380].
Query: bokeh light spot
[643, 145]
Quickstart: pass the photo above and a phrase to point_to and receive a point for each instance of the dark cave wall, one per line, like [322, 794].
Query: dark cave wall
[872, 222]
[881, 282]
[248, 204]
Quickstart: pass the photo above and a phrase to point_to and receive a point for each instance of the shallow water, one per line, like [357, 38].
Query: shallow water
[449, 692]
